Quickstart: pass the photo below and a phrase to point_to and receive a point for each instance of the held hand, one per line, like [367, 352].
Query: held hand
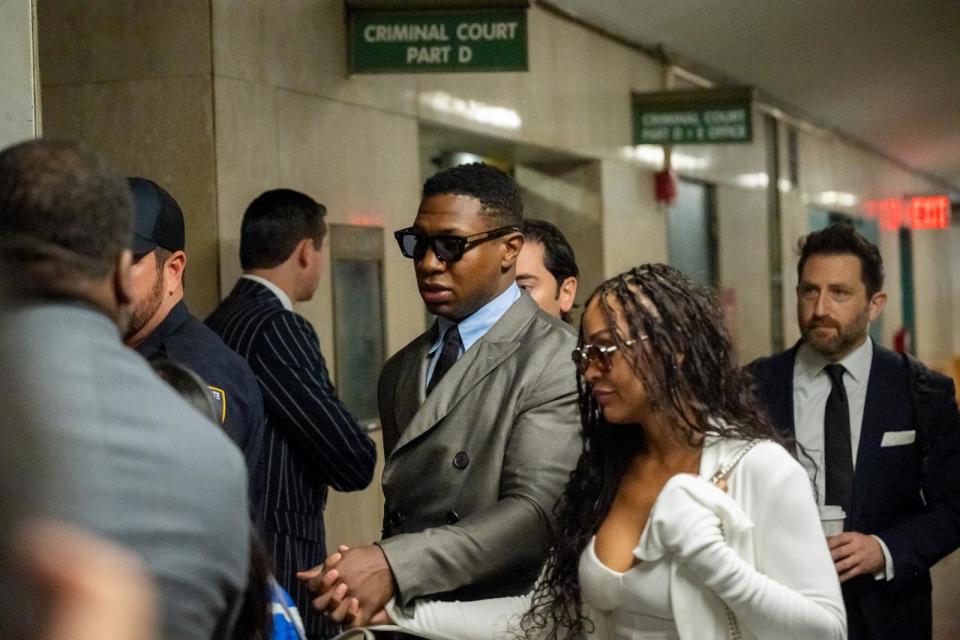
[317, 576]
[855, 554]
[364, 575]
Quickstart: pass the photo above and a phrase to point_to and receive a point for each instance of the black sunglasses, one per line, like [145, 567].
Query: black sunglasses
[448, 248]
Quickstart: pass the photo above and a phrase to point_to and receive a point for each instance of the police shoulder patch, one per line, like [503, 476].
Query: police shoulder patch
[220, 401]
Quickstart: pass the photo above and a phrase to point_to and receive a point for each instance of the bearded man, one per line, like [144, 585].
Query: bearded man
[879, 434]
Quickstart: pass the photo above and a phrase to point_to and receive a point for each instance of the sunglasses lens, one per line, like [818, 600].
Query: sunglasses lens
[411, 244]
[589, 354]
[448, 248]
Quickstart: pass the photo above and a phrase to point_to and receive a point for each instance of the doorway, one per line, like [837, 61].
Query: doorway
[692, 233]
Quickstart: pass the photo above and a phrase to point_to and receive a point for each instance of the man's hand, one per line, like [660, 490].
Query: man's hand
[855, 554]
[356, 585]
[314, 577]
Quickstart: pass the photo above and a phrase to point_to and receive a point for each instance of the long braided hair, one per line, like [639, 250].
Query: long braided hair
[690, 374]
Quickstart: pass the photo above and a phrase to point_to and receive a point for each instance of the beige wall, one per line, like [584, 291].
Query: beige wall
[19, 99]
[741, 214]
[634, 226]
[933, 291]
[133, 80]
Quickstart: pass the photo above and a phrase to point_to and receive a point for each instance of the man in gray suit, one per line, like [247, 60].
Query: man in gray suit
[479, 414]
[141, 466]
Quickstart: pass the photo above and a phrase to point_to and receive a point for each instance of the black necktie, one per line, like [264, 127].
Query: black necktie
[836, 440]
[449, 353]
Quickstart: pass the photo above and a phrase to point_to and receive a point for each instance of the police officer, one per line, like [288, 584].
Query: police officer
[161, 326]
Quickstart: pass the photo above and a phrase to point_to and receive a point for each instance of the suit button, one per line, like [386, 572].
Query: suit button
[397, 518]
[461, 460]
[453, 517]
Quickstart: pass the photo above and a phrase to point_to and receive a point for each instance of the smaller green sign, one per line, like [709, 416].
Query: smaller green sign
[699, 116]
[438, 41]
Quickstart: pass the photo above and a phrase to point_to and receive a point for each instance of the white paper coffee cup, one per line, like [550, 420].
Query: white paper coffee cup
[832, 517]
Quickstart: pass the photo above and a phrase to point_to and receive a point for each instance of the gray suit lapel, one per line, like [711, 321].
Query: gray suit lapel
[486, 355]
[409, 389]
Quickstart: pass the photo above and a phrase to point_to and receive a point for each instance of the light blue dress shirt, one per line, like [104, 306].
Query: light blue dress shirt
[474, 326]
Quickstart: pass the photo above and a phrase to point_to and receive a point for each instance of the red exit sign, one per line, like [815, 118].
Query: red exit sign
[929, 212]
[920, 212]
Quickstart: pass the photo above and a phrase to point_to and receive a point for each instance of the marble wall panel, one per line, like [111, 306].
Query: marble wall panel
[247, 162]
[162, 129]
[300, 45]
[108, 40]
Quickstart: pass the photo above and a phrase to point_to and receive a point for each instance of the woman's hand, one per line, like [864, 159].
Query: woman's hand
[349, 610]
[682, 522]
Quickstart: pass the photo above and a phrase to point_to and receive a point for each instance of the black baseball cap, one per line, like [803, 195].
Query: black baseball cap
[158, 219]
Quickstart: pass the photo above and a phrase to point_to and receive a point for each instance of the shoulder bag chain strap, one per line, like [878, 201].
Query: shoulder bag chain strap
[720, 479]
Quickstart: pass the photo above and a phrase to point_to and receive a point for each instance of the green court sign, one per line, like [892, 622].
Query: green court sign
[699, 116]
[438, 41]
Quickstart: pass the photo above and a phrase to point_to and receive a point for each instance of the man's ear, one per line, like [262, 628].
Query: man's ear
[512, 245]
[568, 293]
[175, 266]
[305, 250]
[122, 280]
[877, 303]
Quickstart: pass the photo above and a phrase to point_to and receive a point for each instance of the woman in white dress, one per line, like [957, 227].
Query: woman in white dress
[685, 517]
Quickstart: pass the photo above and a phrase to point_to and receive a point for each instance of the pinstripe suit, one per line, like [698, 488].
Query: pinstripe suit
[311, 440]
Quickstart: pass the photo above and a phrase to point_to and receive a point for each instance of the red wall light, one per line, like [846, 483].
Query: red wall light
[929, 212]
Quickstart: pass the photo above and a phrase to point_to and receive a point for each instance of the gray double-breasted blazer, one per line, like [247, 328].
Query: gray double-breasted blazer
[474, 470]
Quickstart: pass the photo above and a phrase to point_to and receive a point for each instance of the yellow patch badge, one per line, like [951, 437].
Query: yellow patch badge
[220, 400]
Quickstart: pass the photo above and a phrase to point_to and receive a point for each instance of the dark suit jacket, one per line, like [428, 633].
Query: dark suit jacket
[185, 340]
[916, 514]
[311, 440]
[474, 470]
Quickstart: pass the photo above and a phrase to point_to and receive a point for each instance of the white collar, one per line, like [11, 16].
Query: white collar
[856, 363]
[274, 289]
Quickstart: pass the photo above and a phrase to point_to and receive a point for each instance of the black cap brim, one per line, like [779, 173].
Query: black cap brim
[141, 246]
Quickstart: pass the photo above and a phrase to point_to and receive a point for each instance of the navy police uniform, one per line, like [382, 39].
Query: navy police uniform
[235, 391]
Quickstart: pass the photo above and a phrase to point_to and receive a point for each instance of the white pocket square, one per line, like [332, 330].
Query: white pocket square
[897, 438]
